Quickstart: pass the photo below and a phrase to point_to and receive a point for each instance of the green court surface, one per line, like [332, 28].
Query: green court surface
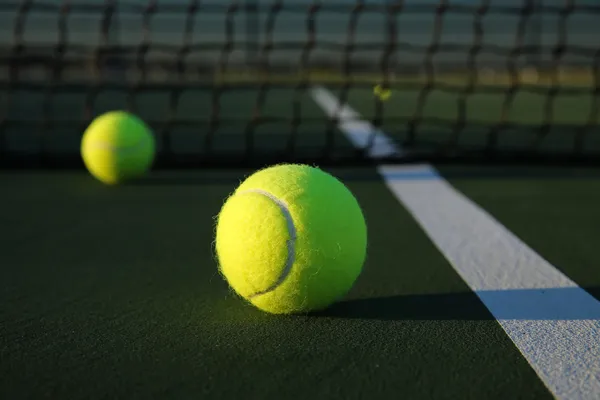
[114, 292]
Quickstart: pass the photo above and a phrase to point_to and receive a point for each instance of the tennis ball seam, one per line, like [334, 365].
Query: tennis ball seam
[291, 242]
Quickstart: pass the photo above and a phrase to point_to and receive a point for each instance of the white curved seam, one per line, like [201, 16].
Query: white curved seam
[291, 242]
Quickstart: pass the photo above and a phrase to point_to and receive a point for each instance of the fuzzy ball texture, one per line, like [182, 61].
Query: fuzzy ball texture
[116, 147]
[291, 239]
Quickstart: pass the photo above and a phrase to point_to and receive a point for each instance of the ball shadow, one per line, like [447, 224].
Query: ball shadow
[569, 303]
[455, 306]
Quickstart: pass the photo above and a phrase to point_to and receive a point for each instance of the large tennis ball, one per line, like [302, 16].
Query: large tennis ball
[117, 146]
[291, 239]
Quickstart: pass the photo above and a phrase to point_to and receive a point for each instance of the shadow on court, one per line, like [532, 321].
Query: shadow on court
[234, 177]
[369, 174]
[523, 304]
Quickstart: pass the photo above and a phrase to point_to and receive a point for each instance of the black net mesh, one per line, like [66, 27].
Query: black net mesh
[233, 83]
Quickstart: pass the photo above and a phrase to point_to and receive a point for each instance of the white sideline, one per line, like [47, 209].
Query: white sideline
[557, 328]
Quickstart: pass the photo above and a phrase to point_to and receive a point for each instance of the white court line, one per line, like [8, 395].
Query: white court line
[564, 351]
[359, 132]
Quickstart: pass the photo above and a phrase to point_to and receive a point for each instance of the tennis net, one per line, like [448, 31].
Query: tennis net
[230, 83]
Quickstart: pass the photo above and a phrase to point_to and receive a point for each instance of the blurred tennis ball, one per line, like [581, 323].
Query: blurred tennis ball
[291, 239]
[117, 146]
[382, 93]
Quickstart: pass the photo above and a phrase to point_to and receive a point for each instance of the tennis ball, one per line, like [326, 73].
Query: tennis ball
[382, 93]
[291, 239]
[117, 146]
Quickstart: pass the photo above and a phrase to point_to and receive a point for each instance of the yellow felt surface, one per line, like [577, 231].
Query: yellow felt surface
[251, 243]
[330, 247]
[117, 146]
